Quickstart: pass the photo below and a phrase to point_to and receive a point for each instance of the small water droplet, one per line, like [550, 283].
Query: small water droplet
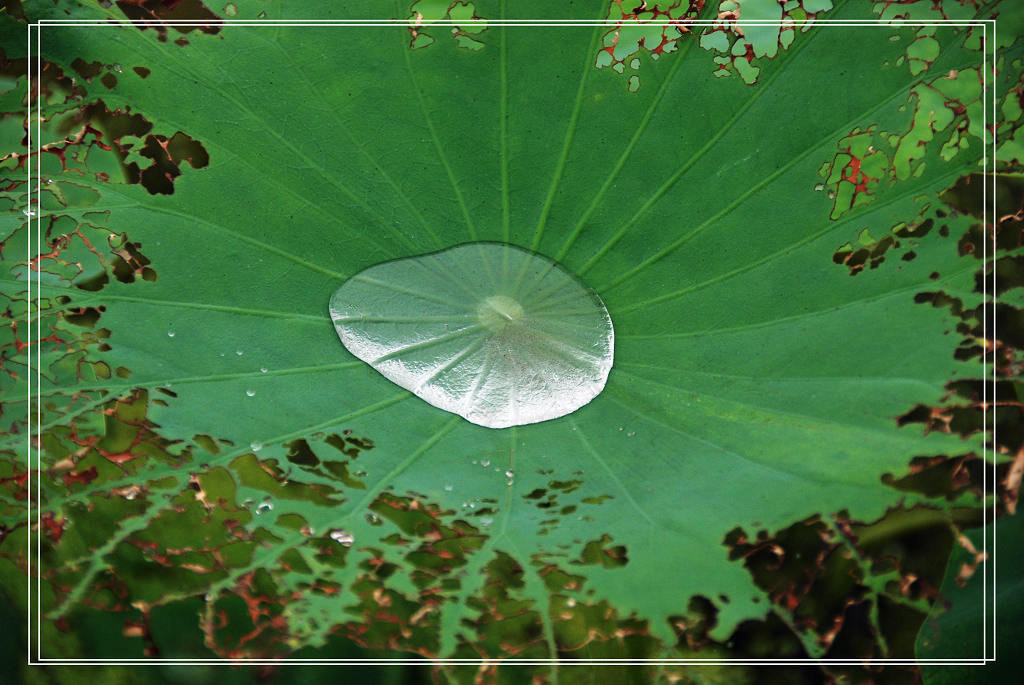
[170, 334]
[509, 474]
[831, 194]
[207, 597]
[818, 187]
[255, 446]
[342, 536]
[630, 434]
[28, 212]
[570, 602]
[620, 427]
[485, 463]
[264, 506]
[239, 353]
[449, 488]
[263, 369]
[486, 521]
[474, 461]
[373, 519]
[117, 68]
[250, 393]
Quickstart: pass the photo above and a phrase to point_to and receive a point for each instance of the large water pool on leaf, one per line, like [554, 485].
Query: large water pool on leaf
[489, 331]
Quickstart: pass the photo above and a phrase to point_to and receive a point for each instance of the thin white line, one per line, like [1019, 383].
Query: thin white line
[405, 23]
[28, 332]
[995, 442]
[39, 337]
[984, 355]
[561, 661]
[508, 22]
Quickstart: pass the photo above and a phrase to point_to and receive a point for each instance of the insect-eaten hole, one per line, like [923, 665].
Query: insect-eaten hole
[167, 155]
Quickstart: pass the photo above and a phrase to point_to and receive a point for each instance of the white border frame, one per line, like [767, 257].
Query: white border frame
[34, 650]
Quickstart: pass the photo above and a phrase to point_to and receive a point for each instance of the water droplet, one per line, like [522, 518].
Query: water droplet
[485, 463]
[239, 353]
[509, 474]
[570, 602]
[250, 393]
[263, 369]
[264, 506]
[831, 194]
[117, 68]
[449, 488]
[486, 521]
[255, 446]
[373, 519]
[526, 340]
[342, 536]
[170, 334]
[818, 187]
[28, 212]
[630, 434]
[230, 10]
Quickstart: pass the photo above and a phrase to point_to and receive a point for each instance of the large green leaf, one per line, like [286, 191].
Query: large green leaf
[756, 381]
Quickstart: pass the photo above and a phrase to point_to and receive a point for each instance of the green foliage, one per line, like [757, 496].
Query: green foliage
[208, 443]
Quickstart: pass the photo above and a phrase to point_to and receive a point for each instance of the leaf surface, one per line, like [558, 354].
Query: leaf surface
[756, 382]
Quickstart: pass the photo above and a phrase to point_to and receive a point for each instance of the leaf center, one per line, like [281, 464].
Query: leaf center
[498, 311]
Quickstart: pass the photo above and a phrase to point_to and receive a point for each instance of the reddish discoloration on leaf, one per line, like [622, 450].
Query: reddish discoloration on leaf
[654, 28]
[467, 30]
